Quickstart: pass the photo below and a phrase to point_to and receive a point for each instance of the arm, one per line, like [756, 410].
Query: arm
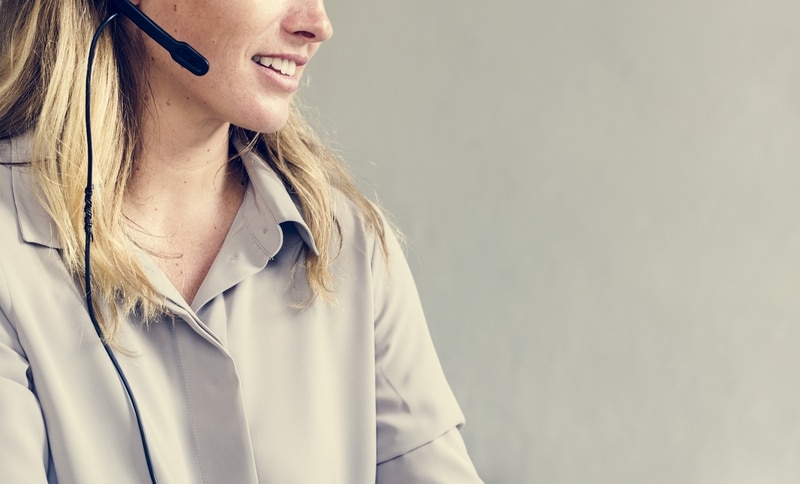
[418, 416]
[23, 438]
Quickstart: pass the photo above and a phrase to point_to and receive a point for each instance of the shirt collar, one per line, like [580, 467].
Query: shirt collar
[274, 204]
[35, 224]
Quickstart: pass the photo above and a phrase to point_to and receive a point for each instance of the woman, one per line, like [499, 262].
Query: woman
[258, 308]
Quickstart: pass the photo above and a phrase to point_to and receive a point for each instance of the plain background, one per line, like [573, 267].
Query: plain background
[601, 203]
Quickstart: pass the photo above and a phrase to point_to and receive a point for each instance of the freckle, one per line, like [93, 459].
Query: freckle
[175, 7]
[169, 103]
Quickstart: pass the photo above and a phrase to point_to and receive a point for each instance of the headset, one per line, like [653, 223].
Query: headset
[185, 55]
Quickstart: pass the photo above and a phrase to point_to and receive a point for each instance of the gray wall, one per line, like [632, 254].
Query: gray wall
[601, 201]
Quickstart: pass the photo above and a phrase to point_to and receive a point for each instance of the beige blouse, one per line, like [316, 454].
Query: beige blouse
[239, 386]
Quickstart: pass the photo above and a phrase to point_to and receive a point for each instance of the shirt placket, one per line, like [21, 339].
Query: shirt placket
[214, 401]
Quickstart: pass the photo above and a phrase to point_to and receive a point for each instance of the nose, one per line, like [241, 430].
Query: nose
[309, 20]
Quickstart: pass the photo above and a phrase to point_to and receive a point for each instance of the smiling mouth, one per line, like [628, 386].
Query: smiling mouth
[286, 67]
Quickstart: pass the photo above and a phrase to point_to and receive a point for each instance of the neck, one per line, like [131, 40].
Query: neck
[183, 170]
[179, 157]
[183, 193]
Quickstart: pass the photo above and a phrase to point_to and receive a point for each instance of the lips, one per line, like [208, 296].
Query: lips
[287, 67]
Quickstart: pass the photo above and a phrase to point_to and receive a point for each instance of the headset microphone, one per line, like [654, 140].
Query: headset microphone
[183, 53]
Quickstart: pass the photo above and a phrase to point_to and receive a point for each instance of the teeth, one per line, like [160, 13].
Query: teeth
[287, 67]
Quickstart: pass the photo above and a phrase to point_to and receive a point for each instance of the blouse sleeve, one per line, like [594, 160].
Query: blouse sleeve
[22, 432]
[444, 460]
[417, 415]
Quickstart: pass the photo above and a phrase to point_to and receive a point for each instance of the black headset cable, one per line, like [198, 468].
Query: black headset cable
[87, 248]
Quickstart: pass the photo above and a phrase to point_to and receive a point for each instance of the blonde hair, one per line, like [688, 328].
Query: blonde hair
[43, 60]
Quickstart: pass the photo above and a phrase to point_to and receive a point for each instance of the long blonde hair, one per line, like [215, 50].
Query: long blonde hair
[43, 60]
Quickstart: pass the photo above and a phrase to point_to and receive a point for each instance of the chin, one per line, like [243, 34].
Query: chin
[268, 122]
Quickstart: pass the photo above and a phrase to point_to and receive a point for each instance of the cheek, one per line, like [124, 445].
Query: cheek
[217, 32]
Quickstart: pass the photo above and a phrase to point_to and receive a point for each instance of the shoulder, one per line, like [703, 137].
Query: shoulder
[370, 258]
[23, 220]
[363, 223]
[351, 218]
